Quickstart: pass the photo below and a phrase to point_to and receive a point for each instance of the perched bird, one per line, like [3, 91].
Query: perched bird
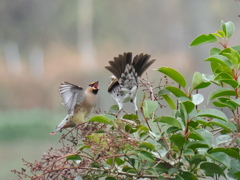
[78, 102]
[124, 85]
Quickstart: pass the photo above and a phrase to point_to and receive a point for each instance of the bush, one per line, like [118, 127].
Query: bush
[191, 143]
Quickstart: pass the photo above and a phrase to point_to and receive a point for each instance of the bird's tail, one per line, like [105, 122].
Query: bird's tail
[65, 123]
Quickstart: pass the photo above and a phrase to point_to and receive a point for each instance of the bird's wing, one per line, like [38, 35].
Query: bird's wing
[71, 95]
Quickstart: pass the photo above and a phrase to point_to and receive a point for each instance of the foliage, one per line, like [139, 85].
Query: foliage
[191, 143]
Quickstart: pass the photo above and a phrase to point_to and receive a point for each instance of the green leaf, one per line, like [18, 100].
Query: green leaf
[198, 81]
[189, 105]
[211, 168]
[221, 33]
[204, 38]
[227, 126]
[147, 146]
[82, 146]
[213, 113]
[221, 92]
[232, 152]
[163, 92]
[228, 28]
[110, 178]
[169, 101]
[226, 78]
[225, 138]
[145, 155]
[220, 157]
[106, 119]
[188, 175]
[178, 139]
[73, 157]
[188, 152]
[234, 171]
[128, 169]
[201, 134]
[175, 75]
[225, 102]
[221, 62]
[130, 129]
[95, 165]
[176, 91]
[197, 99]
[233, 55]
[130, 117]
[113, 109]
[196, 144]
[119, 161]
[169, 120]
[214, 51]
[149, 107]
[197, 159]
[172, 171]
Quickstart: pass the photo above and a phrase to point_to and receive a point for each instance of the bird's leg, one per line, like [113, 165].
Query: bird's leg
[135, 104]
[120, 106]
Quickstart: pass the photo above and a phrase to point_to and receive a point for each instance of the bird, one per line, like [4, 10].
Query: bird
[126, 72]
[79, 103]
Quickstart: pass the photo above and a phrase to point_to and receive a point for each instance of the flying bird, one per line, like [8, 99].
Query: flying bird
[78, 102]
[124, 85]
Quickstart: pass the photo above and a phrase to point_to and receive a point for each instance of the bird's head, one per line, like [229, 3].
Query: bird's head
[94, 87]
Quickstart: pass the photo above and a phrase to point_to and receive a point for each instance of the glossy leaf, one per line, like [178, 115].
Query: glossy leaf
[196, 144]
[149, 107]
[198, 81]
[228, 28]
[212, 113]
[130, 117]
[113, 109]
[110, 178]
[222, 63]
[73, 157]
[234, 171]
[188, 175]
[197, 159]
[119, 161]
[232, 152]
[225, 138]
[106, 119]
[188, 104]
[220, 157]
[145, 155]
[174, 74]
[197, 99]
[169, 101]
[211, 168]
[221, 92]
[227, 126]
[95, 165]
[147, 146]
[225, 102]
[169, 120]
[178, 140]
[214, 51]
[163, 92]
[176, 91]
[204, 38]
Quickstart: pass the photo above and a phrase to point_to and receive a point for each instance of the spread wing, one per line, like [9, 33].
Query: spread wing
[71, 95]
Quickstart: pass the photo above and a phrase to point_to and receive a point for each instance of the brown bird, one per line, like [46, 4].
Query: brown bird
[78, 102]
[124, 85]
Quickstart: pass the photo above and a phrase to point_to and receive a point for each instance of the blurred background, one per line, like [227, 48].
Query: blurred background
[43, 43]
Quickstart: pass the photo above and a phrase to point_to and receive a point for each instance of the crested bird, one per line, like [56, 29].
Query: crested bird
[79, 103]
[124, 85]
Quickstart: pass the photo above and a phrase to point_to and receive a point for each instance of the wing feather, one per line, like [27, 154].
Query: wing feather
[71, 95]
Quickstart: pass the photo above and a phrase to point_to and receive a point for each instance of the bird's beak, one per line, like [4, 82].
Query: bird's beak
[95, 86]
